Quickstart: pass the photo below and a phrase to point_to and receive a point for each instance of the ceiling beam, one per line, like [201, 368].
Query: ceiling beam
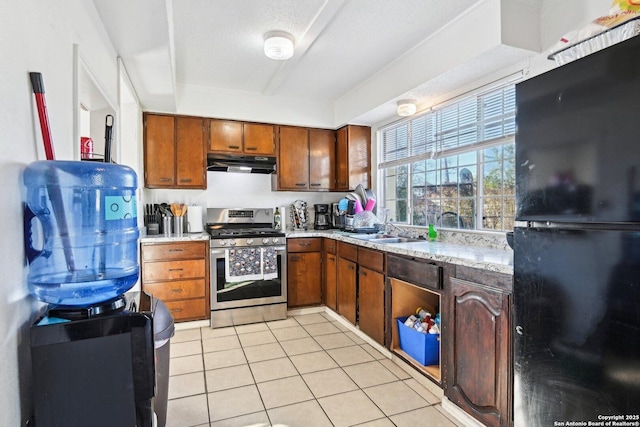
[324, 16]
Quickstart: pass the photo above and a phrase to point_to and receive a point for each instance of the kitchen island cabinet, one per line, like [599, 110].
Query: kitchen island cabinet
[174, 152]
[304, 272]
[478, 373]
[178, 274]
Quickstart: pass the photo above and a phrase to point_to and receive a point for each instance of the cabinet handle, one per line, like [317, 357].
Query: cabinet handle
[251, 148]
[176, 269]
[295, 258]
[185, 180]
[166, 179]
[176, 250]
[176, 310]
[332, 258]
[362, 273]
[305, 244]
[234, 147]
[315, 185]
[176, 291]
[301, 184]
[350, 267]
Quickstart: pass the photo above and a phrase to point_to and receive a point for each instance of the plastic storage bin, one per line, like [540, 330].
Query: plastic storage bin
[425, 348]
[84, 247]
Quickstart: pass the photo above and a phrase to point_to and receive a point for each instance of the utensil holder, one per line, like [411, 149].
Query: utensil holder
[178, 225]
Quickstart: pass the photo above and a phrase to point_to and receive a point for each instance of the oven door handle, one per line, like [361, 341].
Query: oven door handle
[222, 250]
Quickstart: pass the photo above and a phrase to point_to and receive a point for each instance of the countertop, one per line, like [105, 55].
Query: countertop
[491, 259]
[497, 260]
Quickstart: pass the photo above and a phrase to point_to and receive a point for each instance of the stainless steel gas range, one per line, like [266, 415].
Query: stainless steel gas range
[248, 267]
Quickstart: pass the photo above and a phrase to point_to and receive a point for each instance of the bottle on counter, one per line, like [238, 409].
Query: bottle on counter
[277, 219]
[432, 234]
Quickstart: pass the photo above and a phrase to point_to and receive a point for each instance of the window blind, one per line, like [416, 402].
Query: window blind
[471, 123]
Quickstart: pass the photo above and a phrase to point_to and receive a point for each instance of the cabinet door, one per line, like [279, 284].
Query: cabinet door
[371, 303]
[330, 269]
[225, 136]
[259, 139]
[321, 159]
[347, 289]
[342, 160]
[159, 151]
[304, 286]
[477, 372]
[190, 153]
[293, 161]
[359, 141]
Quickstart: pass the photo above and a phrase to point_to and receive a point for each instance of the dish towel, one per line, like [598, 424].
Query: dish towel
[242, 264]
[269, 263]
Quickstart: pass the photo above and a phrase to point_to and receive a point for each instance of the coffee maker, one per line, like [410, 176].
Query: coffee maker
[322, 219]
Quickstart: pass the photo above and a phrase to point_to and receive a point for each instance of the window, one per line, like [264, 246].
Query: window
[453, 166]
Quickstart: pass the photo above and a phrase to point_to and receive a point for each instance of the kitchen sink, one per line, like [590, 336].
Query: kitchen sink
[397, 240]
[385, 238]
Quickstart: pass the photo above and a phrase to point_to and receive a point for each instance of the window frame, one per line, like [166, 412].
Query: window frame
[433, 150]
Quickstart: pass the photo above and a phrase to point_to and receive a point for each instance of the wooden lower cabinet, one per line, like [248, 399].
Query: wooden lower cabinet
[346, 294]
[479, 366]
[304, 272]
[330, 282]
[371, 303]
[177, 274]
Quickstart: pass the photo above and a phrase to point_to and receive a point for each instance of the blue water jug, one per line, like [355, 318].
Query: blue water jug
[83, 247]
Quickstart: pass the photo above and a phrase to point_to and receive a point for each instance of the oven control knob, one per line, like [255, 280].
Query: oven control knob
[249, 241]
[222, 242]
[232, 242]
[265, 240]
[275, 240]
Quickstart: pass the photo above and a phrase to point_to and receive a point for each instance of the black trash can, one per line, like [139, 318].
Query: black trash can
[163, 330]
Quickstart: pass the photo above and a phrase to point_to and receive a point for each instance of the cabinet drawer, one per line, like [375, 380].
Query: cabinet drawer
[304, 245]
[418, 272]
[170, 251]
[348, 251]
[172, 270]
[373, 260]
[187, 309]
[178, 289]
[330, 246]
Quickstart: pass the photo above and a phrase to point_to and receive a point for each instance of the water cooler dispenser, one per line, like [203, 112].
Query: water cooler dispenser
[99, 353]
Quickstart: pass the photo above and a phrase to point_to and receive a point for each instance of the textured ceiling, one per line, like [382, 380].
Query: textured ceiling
[339, 45]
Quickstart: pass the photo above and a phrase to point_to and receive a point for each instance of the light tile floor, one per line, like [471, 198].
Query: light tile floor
[308, 370]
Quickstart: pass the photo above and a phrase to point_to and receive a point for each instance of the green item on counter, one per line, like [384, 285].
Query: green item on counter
[432, 233]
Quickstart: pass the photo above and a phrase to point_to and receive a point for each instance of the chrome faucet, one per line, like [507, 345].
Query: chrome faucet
[390, 225]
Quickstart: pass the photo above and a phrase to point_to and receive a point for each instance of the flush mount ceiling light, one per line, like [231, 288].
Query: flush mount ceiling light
[278, 45]
[406, 107]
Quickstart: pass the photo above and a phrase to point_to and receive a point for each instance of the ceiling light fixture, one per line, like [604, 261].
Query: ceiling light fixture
[406, 107]
[278, 45]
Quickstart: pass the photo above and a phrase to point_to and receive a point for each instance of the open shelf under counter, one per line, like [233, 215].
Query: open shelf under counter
[405, 298]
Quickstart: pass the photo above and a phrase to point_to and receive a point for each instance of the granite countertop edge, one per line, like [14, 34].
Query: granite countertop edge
[490, 259]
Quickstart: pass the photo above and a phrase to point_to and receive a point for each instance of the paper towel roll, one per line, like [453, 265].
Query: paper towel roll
[194, 219]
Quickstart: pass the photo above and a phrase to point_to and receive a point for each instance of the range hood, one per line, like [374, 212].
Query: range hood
[241, 163]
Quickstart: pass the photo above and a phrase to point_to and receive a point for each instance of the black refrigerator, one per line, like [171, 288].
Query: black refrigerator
[577, 242]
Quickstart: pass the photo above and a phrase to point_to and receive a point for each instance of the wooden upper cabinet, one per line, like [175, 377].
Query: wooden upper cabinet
[159, 151]
[228, 136]
[174, 152]
[225, 136]
[259, 139]
[322, 159]
[190, 153]
[353, 152]
[293, 158]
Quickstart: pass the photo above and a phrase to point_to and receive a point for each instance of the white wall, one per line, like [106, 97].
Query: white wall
[37, 36]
